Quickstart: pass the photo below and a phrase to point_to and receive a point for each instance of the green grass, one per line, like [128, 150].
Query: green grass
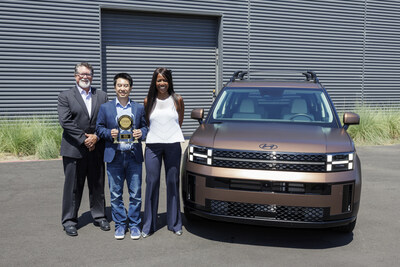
[377, 126]
[33, 137]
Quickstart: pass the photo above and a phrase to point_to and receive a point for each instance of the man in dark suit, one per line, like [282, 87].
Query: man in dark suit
[124, 159]
[81, 149]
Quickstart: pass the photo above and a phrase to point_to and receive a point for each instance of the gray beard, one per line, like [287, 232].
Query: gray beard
[84, 83]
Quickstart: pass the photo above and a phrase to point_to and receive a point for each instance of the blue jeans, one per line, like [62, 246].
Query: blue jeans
[125, 167]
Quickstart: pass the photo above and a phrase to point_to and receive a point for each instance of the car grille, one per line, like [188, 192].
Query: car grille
[272, 212]
[269, 161]
[269, 186]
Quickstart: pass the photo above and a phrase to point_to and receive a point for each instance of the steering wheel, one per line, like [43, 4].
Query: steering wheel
[301, 114]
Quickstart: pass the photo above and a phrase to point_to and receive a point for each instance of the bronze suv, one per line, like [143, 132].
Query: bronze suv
[273, 152]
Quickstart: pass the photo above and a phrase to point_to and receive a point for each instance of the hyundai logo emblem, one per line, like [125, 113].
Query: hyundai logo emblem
[268, 146]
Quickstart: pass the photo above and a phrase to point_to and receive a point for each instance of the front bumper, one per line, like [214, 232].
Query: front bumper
[264, 221]
[251, 201]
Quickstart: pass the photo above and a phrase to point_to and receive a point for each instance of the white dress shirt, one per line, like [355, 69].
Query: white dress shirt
[87, 98]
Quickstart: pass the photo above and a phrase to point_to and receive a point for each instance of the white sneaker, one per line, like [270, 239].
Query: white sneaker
[135, 233]
[120, 233]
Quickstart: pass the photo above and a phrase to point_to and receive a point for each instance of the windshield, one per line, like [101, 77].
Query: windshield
[273, 104]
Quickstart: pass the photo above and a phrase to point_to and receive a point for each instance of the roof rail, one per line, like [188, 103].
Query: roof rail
[310, 76]
[238, 74]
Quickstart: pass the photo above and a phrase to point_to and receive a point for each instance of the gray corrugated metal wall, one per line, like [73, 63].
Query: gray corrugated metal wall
[185, 44]
[40, 42]
[352, 45]
[382, 53]
[324, 36]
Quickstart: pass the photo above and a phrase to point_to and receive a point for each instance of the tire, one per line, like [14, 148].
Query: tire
[348, 228]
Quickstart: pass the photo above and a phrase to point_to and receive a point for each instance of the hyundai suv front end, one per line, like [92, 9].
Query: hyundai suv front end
[273, 153]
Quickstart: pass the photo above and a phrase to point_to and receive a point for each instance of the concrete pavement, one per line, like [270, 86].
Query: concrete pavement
[31, 233]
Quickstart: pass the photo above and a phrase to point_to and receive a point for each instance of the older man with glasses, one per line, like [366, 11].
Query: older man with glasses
[82, 150]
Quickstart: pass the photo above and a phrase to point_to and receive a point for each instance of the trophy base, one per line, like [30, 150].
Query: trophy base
[116, 141]
[125, 142]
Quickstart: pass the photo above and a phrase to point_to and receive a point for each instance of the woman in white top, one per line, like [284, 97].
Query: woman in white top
[164, 115]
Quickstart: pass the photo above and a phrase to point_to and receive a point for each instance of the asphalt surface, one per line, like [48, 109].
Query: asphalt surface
[31, 233]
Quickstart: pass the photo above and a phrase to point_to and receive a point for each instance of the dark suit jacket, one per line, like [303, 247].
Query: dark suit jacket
[74, 119]
[106, 120]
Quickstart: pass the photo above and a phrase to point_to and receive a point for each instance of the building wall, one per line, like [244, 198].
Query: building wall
[352, 45]
[186, 44]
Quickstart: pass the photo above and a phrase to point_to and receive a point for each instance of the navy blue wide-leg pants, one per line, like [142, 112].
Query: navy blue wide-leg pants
[154, 154]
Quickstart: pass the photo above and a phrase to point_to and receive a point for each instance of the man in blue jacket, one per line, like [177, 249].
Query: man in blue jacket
[124, 159]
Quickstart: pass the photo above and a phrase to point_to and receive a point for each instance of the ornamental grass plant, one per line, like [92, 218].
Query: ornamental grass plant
[30, 137]
[378, 126]
[38, 138]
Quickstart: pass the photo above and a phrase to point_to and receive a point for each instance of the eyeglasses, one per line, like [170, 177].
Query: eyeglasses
[84, 74]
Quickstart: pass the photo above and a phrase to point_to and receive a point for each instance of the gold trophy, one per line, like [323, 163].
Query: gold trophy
[125, 124]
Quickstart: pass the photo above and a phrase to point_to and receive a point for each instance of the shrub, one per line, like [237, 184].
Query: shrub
[30, 137]
[38, 137]
[377, 126]
[47, 149]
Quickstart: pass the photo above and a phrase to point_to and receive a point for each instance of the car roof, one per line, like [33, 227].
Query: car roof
[275, 84]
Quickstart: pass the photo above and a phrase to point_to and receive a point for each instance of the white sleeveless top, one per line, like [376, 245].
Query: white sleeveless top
[164, 123]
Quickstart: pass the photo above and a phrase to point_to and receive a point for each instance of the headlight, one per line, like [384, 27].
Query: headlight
[339, 162]
[200, 155]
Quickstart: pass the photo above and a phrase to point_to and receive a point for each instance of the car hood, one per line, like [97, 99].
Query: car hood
[279, 137]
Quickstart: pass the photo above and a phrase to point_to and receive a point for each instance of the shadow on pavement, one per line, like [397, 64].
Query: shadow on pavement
[266, 236]
[86, 218]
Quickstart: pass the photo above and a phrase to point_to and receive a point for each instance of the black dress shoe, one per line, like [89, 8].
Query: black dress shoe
[104, 225]
[71, 230]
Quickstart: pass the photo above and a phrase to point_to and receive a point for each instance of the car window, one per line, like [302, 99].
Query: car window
[273, 104]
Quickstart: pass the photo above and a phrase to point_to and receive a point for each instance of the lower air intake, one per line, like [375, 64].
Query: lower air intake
[271, 212]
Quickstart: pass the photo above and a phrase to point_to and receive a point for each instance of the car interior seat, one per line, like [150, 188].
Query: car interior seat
[299, 111]
[247, 109]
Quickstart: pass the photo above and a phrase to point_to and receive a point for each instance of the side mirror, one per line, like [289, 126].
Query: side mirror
[198, 114]
[350, 118]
